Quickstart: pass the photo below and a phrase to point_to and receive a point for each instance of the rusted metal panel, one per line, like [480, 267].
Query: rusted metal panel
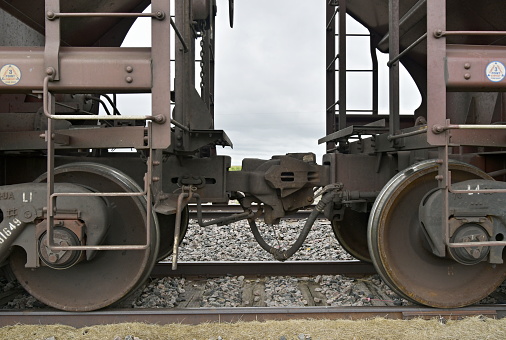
[476, 67]
[209, 174]
[89, 70]
[359, 172]
[478, 137]
[119, 137]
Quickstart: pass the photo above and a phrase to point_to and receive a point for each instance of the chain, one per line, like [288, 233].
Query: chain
[202, 63]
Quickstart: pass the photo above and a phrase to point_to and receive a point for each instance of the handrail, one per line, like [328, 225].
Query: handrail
[160, 15]
[407, 134]
[45, 94]
[407, 49]
[437, 129]
[332, 18]
[440, 33]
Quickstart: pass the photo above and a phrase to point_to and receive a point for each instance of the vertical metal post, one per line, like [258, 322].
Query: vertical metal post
[330, 97]
[51, 63]
[208, 62]
[342, 64]
[375, 77]
[149, 184]
[436, 99]
[393, 50]
[51, 201]
[436, 86]
[160, 92]
[444, 183]
[52, 43]
[185, 72]
[207, 67]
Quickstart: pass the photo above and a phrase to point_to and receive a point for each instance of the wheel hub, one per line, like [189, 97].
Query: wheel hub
[62, 259]
[469, 232]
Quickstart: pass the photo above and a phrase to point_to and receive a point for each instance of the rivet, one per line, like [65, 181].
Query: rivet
[467, 66]
[129, 79]
[129, 69]
[467, 76]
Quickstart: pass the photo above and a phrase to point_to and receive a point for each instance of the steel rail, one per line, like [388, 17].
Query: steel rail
[193, 316]
[263, 268]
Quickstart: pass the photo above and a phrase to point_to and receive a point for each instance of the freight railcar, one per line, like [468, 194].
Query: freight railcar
[420, 196]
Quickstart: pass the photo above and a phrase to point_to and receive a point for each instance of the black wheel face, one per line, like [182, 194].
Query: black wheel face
[110, 275]
[167, 224]
[351, 233]
[396, 244]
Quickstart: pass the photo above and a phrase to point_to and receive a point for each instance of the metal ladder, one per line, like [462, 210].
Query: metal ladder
[337, 9]
[161, 23]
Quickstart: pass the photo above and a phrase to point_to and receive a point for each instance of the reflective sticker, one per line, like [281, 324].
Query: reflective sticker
[10, 74]
[495, 71]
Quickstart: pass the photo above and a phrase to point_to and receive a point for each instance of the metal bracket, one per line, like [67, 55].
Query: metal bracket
[53, 37]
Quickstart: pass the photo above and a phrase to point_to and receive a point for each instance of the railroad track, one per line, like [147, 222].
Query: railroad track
[196, 275]
[263, 268]
[202, 315]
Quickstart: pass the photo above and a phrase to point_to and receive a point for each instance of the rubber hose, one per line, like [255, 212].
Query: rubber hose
[278, 254]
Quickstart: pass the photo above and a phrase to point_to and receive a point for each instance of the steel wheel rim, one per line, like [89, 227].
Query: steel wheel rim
[111, 275]
[401, 259]
[351, 233]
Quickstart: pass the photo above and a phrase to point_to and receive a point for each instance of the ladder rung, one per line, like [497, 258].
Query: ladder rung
[358, 70]
[355, 35]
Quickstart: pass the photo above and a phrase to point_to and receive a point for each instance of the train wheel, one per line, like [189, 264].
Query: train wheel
[351, 233]
[110, 275]
[167, 224]
[397, 248]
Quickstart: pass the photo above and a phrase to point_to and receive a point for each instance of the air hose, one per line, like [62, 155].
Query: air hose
[283, 255]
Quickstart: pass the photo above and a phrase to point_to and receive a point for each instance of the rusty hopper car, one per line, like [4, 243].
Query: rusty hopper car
[421, 196]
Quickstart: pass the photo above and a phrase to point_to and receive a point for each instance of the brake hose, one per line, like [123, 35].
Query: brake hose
[283, 255]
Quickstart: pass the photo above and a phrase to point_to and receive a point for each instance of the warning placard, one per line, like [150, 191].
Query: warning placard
[10, 74]
[495, 71]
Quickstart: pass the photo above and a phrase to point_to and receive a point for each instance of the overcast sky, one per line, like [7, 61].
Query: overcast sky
[270, 77]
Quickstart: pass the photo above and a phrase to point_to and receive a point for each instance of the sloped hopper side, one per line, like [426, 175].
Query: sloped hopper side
[97, 31]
